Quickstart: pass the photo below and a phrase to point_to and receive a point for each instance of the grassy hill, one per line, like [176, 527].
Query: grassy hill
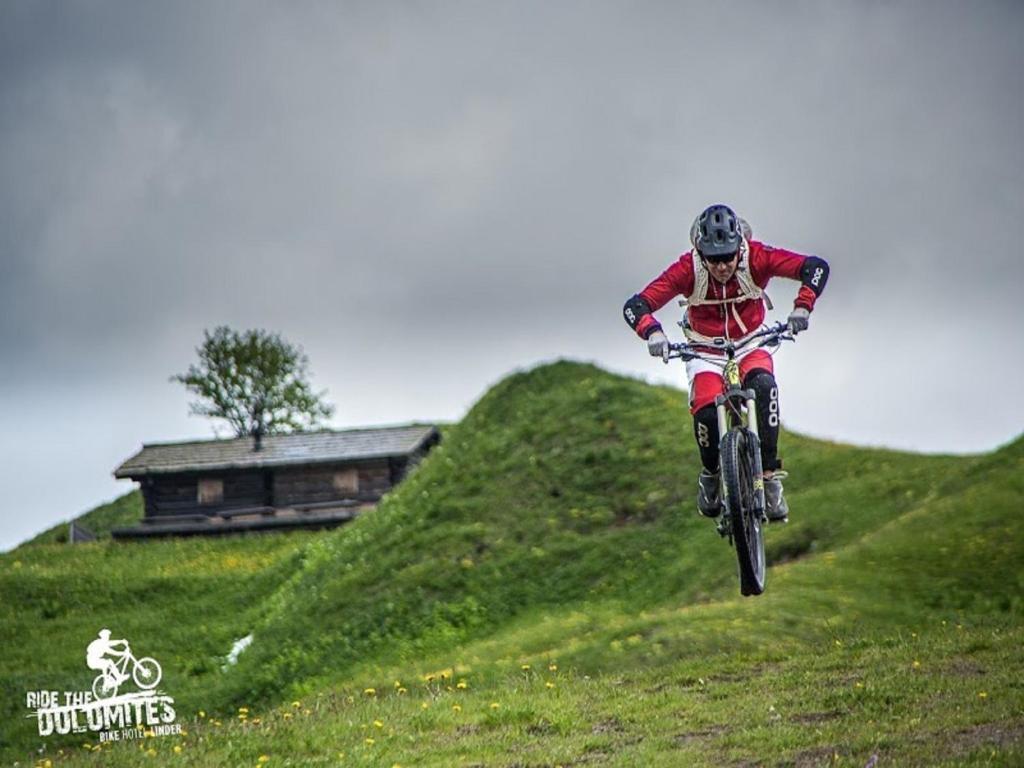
[123, 511]
[547, 557]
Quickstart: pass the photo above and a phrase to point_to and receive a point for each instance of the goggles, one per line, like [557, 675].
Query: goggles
[724, 258]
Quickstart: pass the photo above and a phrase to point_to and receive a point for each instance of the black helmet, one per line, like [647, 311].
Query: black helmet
[716, 233]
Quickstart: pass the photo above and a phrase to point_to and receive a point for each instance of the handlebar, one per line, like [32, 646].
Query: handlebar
[771, 336]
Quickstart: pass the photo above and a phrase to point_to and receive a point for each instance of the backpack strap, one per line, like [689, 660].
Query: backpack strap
[749, 290]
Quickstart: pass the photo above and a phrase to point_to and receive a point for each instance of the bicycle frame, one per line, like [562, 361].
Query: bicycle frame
[121, 665]
[734, 391]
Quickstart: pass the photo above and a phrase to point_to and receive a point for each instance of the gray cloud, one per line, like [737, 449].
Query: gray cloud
[428, 195]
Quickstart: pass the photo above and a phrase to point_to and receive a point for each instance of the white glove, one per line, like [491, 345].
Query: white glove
[657, 345]
[799, 319]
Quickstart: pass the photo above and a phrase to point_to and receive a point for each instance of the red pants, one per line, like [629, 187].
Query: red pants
[706, 382]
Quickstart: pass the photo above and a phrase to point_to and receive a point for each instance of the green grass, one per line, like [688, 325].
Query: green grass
[554, 528]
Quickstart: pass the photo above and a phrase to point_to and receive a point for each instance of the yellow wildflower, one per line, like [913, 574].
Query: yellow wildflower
[243, 710]
[370, 691]
[296, 704]
[177, 749]
[982, 695]
[402, 690]
[552, 667]
[456, 708]
[378, 724]
[150, 752]
[262, 759]
[495, 705]
[525, 667]
[549, 684]
[916, 664]
[425, 705]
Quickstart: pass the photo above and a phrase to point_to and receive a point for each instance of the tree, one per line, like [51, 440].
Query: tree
[255, 381]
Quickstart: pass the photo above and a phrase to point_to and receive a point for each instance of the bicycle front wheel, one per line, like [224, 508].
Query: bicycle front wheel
[741, 466]
[147, 673]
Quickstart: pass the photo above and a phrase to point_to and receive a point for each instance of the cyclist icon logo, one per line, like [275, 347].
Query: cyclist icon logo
[117, 664]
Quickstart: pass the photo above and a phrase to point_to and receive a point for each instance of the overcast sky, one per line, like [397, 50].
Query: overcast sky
[429, 195]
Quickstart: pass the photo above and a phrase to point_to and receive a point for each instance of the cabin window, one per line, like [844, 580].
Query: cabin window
[211, 491]
[346, 480]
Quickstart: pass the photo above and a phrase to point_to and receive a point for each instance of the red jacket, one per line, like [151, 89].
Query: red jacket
[765, 263]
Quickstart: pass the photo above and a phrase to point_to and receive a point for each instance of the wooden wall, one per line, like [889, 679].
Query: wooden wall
[179, 494]
[364, 481]
[331, 482]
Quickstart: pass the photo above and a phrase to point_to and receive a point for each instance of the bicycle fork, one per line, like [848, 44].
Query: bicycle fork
[733, 420]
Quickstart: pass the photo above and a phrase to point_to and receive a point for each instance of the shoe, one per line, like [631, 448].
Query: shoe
[776, 508]
[707, 494]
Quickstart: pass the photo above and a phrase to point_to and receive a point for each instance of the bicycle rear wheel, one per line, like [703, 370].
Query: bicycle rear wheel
[104, 687]
[741, 466]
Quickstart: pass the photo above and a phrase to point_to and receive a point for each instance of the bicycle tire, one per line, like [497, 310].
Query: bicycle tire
[147, 672]
[740, 457]
[101, 689]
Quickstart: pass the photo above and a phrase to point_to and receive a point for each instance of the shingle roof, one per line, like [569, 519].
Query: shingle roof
[277, 450]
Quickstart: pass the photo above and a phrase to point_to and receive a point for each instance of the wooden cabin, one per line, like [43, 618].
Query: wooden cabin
[304, 479]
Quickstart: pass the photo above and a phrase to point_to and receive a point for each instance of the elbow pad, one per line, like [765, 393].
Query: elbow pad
[634, 311]
[814, 274]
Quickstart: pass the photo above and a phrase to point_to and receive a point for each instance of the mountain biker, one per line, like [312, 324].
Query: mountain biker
[723, 279]
[96, 652]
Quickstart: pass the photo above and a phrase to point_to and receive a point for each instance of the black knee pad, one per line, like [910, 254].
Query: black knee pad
[705, 430]
[767, 392]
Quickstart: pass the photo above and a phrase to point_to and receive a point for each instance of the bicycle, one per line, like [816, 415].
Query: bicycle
[146, 673]
[742, 486]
